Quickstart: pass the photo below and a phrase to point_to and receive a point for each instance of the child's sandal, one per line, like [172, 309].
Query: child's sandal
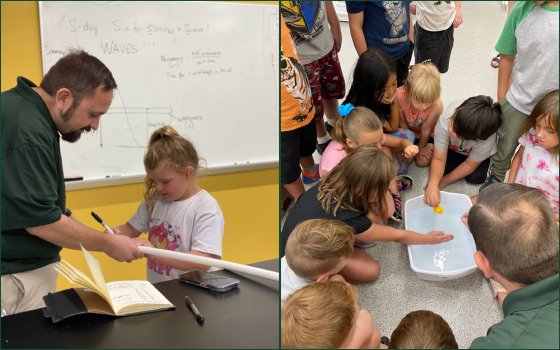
[495, 61]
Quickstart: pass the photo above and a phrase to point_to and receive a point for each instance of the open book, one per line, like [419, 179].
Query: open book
[119, 298]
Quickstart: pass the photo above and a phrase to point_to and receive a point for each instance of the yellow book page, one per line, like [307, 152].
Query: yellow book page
[73, 278]
[95, 270]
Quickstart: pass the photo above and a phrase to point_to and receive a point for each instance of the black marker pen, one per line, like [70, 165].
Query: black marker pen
[101, 222]
[199, 317]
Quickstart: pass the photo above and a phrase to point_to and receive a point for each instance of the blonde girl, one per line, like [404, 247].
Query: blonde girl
[176, 213]
[360, 126]
[420, 107]
[356, 192]
[536, 162]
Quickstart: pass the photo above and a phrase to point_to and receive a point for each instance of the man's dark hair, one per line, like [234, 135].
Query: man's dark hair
[515, 228]
[477, 118]
[79, 72]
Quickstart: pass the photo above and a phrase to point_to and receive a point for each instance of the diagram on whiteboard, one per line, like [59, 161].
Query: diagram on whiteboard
[141, 122]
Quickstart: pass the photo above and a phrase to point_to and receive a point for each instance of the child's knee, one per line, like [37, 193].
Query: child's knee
[373, 271]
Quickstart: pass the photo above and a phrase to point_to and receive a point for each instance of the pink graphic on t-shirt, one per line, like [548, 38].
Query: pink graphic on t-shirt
[541, 165]
[163, 236]
[529, 157]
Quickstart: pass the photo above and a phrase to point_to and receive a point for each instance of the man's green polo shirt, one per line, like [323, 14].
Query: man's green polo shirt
[33, 192]
[530, 319]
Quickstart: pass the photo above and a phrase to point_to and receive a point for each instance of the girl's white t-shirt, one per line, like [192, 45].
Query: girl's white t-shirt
[196, 223]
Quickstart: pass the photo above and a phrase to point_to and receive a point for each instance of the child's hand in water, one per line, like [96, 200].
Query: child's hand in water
[436, 237]
[411, 151]
[465, 219]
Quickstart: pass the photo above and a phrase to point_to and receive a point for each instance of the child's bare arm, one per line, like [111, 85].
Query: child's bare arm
[504, 74]
[382, 233]
[464, 169]
[515, 165]
[126, 230]
[428, 125]
[393, 124]
[356, 21]
[402, 121]
[437, 168]
[334, 23]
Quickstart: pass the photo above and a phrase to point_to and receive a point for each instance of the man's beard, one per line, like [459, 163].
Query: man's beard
[72, 136]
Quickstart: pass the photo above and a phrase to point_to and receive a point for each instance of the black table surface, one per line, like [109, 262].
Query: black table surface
[246, 317]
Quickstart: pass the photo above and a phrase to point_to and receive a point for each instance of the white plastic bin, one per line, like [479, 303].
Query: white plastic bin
[447, 199]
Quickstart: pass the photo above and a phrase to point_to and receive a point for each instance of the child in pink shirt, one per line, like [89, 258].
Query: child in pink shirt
[358, 126]
[536, 162]
[420, 107]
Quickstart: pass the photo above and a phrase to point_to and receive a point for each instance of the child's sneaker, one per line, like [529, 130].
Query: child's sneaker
[490, 180]
[363, 244]
[385, 340]
[404, 182]
[321, 147]
[308, 178]
[397, 215]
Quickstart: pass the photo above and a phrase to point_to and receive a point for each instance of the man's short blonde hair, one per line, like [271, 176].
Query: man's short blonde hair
[318, 316]
[423, 83]
[316, 246]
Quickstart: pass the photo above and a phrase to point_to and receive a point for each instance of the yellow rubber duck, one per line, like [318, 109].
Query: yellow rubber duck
[438, 210]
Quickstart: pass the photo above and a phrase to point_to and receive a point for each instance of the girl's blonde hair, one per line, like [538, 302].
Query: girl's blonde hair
[360, 119]
[423, 83]
[318, 316]
[546, 108]
[168, 149]
[366, 172]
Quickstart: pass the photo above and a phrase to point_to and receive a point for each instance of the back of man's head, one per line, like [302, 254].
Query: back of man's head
[316, 246]
[514, 227]
[319, 316]
[79, 72]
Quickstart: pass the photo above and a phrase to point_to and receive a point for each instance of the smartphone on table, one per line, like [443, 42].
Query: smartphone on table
[209, 280]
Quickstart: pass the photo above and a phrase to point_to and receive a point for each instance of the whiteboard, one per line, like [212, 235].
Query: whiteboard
[210, 70]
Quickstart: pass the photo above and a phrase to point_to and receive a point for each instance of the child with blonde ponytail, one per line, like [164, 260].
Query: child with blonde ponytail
[176, 213]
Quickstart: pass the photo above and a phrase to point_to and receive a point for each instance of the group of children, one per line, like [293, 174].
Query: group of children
[379, 129]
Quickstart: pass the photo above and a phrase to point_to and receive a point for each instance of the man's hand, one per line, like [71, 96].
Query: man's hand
[123, 248]
[437, 237]
[432, 197]
[425, 153]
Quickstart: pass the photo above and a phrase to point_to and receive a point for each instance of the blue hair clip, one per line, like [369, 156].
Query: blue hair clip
[343, 110]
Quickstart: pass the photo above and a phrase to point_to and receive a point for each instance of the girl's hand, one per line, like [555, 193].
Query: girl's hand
[411, 151]
[436, 237]
[425, 153]
[117, 232]
[465, 219]
[432, 197]
[143, 242]
[389, 100]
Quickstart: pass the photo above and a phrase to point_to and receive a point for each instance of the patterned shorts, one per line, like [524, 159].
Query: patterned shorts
[326, 80]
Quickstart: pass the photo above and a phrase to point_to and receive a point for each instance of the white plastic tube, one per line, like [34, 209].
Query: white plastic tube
[255, 271]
